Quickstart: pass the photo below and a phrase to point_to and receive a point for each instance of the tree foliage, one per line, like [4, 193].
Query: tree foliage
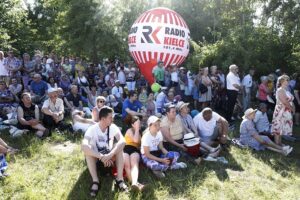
[222, 31]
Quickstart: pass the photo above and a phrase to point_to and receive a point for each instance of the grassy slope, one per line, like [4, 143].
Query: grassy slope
[39, 172]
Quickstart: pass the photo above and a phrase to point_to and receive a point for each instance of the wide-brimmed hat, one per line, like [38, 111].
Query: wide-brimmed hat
[190, 140]
[248, 112]
[180, 105]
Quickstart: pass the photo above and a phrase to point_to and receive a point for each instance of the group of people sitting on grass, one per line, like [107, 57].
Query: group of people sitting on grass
[160, 124]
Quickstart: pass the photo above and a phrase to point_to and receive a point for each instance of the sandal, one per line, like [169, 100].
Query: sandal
[122, 186]
[94, 192]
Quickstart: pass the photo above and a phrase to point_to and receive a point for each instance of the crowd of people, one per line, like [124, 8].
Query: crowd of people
[187, 115]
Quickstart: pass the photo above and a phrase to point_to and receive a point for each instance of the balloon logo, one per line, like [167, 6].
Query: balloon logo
[158, 34]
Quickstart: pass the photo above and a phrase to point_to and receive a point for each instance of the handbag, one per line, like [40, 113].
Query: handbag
[202, 88]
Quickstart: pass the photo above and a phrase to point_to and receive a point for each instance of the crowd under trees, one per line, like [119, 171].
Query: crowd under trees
[264, 34]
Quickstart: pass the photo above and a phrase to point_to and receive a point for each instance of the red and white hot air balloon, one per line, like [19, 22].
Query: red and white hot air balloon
[158, 34]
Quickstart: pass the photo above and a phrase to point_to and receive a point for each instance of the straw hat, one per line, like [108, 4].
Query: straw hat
[248, 112]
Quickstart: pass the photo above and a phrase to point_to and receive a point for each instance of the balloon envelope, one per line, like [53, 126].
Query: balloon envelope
[158, 34]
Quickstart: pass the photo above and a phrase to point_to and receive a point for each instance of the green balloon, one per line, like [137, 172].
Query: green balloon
[155, 87]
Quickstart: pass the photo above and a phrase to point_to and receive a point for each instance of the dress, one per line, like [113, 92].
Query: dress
[282, 122]
[247, 131]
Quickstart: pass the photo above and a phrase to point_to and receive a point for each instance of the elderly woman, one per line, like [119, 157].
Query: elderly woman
[205, 98]
[100, 102]
[282, 123]
[250, 137]
[263, 90]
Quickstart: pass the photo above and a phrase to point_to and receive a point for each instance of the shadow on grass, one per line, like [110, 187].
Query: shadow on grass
[81, 189]
[283, 165]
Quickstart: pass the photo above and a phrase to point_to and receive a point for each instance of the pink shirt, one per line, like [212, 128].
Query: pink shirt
[262, 92]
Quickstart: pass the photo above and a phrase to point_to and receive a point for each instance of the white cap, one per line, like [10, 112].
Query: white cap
[152, 119]
[52, 90]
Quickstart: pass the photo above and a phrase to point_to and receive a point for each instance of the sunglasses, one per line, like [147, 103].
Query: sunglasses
[101, 101]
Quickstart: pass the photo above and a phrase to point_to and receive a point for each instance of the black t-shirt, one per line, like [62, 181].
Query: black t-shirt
[75, 99]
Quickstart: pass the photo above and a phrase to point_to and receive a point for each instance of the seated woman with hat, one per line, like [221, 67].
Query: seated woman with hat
[249, 136]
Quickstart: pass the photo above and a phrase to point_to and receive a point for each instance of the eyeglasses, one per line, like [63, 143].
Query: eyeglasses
[101, 101]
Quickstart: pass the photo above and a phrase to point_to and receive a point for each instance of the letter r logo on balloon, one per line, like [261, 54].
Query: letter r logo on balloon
[158, 34]
[147, 31]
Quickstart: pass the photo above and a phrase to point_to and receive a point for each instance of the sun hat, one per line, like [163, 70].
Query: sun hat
[248, 112]
[190, 140]
[152, 119]
[181, 104]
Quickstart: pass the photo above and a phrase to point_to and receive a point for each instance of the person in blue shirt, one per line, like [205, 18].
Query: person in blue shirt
[38, 89]
[132, 106]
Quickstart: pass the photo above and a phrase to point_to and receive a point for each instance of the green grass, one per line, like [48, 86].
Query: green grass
[43, 171]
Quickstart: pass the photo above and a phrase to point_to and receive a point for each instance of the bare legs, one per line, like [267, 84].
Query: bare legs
[132, 167]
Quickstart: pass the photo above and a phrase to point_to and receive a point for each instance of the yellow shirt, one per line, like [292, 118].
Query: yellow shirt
[129, 141]
[175, 128]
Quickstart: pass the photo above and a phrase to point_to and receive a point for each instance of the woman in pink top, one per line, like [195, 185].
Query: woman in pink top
[263, 90]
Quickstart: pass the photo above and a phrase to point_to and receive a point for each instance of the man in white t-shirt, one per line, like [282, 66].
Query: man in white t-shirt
[211, 126]
[98, 147]
[233, 85]
[247, 85]
[117, 91]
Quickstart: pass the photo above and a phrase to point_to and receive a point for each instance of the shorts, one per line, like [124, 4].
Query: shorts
[22, 127]
[129, 149]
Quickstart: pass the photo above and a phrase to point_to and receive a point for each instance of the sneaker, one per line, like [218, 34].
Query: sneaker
[58, 131]
[197, 161]
[138, 187]
[288, 151]
[159, 174]
[286, 147]
[215, 149]
[180, 165]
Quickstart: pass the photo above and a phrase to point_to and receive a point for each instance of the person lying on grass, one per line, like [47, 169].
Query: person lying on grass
[99, 149]
[132, 153]
[249, 136]
[29, 115]
[4, 149]
[154, 155]
[80, 123]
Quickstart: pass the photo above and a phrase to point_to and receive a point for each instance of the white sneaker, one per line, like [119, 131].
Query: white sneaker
[288, 151]
[285, 148]
[159, 174]
[180, 165]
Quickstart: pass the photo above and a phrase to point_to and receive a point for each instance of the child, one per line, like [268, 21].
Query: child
[154, 155]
